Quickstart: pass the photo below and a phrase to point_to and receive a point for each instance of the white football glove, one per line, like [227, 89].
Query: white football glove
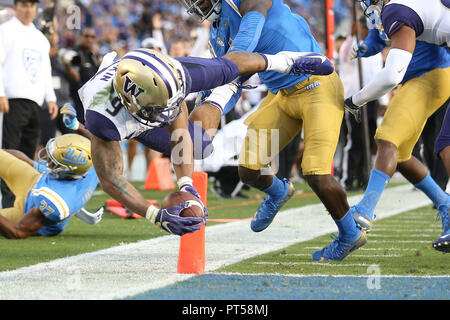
[90, 218]
[108, 60]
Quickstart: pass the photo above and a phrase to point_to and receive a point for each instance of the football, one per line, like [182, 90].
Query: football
[195, 210]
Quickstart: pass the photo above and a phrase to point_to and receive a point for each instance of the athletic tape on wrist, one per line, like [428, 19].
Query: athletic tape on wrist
[184, 180]
[151, 214]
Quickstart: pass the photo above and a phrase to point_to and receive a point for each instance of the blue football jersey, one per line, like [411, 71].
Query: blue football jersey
[427, 57]
[59, 199]
[282, 31]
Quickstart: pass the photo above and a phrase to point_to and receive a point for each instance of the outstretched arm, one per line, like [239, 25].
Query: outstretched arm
[108, 162]
[182, 154]
[70, 120]
[397, 61]
[31, 222]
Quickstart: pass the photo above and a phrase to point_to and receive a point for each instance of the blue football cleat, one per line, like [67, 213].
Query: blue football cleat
[443, 243]
[340, 248]
[270, 207]
[364, 220]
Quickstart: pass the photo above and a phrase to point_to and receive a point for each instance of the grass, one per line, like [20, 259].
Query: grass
[399, 245]
[397, 256]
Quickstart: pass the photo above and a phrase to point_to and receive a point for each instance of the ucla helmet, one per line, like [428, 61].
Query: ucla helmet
[204, 9]
[365, 4]
[67, 156]
[151, 86]
[372, 11]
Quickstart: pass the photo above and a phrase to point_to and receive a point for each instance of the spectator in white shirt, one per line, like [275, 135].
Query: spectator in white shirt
[25, 82]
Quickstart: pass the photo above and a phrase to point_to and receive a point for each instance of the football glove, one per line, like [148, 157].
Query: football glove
[353, 109]
[312, 63]
[224, 97]
[170, 220]
[185, 185]
[372, 45]
[69, 116]
[88, 217]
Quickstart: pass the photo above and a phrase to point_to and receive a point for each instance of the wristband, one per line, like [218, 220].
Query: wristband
[184, 180]
[151, 214]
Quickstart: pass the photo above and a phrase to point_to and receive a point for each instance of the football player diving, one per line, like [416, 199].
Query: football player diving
[48, 191]
[418, 64]
[141, 96]
[314, 103]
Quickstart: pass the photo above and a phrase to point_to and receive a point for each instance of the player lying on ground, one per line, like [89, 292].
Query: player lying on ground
[50, 191]
[141, 96]
[419, 62]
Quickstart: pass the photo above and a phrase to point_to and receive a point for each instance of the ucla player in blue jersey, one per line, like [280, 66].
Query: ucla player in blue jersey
[418, 63]
[141, 96]
[48, 192]
[314, 103]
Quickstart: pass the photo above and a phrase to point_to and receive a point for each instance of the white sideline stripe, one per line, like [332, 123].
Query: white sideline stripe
[405, 230]
[127, 270]
[371, 249]
[353, 255]
[293, 275]
[393, 236]
[400, 241]
[325, 264]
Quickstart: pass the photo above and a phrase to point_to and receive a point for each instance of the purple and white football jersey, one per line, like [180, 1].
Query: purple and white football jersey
[429, 19]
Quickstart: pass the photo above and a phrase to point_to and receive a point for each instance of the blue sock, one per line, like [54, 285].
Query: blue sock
[377, 183]
[433, 191]
[277, 189]
[347, 226]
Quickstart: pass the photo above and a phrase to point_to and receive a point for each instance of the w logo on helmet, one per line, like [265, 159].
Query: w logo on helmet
[131, 88]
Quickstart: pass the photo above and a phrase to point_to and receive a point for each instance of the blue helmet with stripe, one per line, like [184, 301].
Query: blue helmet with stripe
[151, 86]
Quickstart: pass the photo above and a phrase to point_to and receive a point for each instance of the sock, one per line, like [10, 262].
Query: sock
[347, 226]
[377, 183]
[433, 191]
[276, 190]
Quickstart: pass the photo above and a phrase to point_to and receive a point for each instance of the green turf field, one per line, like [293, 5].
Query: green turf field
[398, 245]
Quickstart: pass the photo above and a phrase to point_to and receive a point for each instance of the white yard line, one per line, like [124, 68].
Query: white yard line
[131, 269]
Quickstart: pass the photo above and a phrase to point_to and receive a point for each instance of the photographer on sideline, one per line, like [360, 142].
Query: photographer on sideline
[25, 82]
[85, 68]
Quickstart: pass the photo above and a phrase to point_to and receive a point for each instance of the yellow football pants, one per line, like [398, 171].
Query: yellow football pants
[316, 105]
[20, 178]
[413, 103]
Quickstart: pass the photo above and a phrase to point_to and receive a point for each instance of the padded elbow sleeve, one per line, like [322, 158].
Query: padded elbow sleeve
[387, 79]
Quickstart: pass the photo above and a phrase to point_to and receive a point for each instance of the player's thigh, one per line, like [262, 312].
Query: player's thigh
[413, 103]
[17, 174]
[13, 214]
[322, 119]
[443, 139]
[269, 130]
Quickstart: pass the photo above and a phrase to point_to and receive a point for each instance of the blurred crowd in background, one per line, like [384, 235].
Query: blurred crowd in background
[122, 25]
